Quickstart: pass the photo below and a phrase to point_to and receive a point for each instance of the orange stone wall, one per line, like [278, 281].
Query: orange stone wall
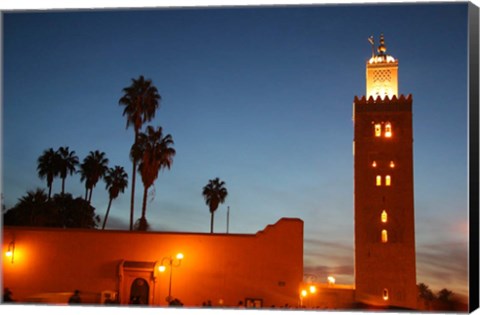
[222, 268]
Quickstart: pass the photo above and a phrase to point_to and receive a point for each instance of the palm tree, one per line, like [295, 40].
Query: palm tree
[48, 167]
[156, 154]
[141, 100]
[116, 180]
[214, 193]
[66, 164]
[94, 167]
[31, 206]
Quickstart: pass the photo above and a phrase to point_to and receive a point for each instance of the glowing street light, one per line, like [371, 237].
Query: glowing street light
[172, 262]
[331, 280]
[10, 253]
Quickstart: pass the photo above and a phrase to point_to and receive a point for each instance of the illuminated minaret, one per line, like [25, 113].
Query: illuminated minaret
[385, 271]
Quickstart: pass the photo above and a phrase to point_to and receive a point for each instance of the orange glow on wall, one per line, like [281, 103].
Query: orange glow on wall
[374, 164]
[392, 165]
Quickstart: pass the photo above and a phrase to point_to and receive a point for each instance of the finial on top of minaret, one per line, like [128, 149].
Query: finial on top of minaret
[381, 55]
[382, 48]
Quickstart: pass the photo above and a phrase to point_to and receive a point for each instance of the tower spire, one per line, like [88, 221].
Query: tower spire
[382, 49]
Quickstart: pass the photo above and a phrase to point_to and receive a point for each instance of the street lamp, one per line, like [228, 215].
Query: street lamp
[303, 294]
[331, 280]
[172, 262]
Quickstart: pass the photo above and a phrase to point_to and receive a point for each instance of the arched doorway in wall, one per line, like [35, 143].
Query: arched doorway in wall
[139, 291]
[137, 279]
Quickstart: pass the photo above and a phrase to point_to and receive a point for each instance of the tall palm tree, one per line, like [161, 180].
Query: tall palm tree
[214, 193]
[141, 100]
[94, 167]
[67, 164]
[48, 167]
[156, 154]
[116, 180]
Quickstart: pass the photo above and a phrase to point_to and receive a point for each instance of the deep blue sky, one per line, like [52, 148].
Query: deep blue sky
[260, 97]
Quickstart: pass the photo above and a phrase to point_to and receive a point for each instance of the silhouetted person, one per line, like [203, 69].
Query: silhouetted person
[75, 298]
[7, 296]
[176, 302]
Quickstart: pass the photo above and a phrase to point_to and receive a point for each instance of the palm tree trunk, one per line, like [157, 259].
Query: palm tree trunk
[63, 185]
[211, 222]
[132, 208]
[49, 190]
[144, 205]
[90, 196]
[133, 187]
[106, 215]
[86, 193]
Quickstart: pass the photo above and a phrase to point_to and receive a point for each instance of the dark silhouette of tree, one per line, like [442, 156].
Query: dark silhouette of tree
[93, 168]
[48, 167]
[35, 209]
[141, 225]
[75, 213]
[116, 181]
[156, 154]
[426, 295]
[141, 100]
[214, 193]
[445, 300]
[67, 164]
[28, 210]
[444, 295]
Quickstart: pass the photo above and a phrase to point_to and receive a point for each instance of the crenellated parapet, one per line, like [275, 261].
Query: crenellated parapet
[394, 103]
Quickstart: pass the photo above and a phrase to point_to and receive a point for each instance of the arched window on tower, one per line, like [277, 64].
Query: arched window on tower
[384, 236]
[378, 130]
[378, 180]
[385, 294]
[384, 216]
[388, 130]
[388, 180]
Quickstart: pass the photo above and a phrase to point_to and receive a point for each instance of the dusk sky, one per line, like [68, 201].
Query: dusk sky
[258, 96]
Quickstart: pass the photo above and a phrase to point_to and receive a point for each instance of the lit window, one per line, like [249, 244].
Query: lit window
[379, 180]
[388, 180]
[384, 216]
[385, 294]
[374, 164]
[388, 130]
[378, 130]
[384, 236]
[392, 165]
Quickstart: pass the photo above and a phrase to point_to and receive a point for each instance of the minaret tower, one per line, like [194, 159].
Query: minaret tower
[385, 271]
